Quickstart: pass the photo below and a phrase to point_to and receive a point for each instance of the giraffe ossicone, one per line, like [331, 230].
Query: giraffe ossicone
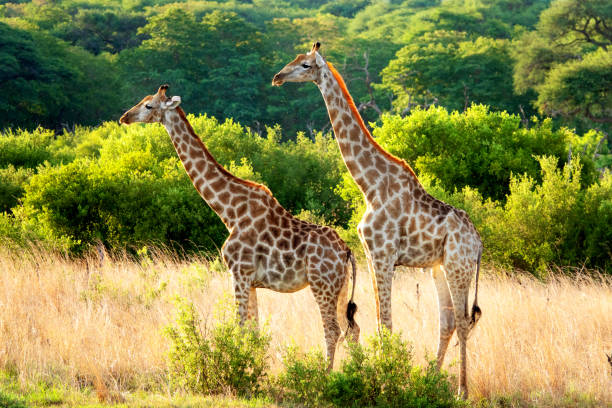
[402, 224]
[267, 247]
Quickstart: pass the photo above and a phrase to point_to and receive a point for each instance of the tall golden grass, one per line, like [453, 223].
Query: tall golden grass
[80, 322]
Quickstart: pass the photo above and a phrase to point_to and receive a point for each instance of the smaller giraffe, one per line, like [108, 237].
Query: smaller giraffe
[267, 247]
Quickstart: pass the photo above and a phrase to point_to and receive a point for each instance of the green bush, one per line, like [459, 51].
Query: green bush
[304, 379]
[596, 222]
[129, 202]
[12, 181]
[478, 148]
[380, 373]
[25, 149]
[553, 222]
[228, 358]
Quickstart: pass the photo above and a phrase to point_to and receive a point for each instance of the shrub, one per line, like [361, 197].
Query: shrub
[305, 378]
[12, 181]
[595, 221]
[380, 373]
[127, 202]
[229, 358]
[478, 148]
[25, 149]
[551, 222]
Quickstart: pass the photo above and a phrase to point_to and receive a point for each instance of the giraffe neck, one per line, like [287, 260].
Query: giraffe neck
[215, 184]
[368, 163]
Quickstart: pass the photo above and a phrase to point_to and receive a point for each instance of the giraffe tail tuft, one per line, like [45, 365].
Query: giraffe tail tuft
[476, 312]
[351, 307]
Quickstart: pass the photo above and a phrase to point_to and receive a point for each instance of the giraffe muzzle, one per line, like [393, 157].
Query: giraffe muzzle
[124, 119]
[278, 79]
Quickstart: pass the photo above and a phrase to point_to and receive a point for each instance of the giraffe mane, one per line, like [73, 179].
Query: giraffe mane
[222, 169]
[359, 119]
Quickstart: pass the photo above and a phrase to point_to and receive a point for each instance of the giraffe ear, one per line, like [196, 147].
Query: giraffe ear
[319, 59]
[172, 103]
[162, 90]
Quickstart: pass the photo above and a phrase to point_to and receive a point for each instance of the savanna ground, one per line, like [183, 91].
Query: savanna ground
[78, 332]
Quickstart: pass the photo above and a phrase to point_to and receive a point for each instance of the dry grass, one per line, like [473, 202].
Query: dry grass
[78, 322]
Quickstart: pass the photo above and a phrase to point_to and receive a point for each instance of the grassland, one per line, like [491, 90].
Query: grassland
[77, 332]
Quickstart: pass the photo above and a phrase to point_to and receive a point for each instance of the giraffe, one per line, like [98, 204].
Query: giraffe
[402, 224]
[267, 247]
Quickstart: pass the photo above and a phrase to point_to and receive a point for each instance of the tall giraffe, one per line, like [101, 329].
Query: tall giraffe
[267, 247]
[403, 224]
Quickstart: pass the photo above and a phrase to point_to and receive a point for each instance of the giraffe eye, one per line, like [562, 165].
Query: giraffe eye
[148, 107]
[305, 66]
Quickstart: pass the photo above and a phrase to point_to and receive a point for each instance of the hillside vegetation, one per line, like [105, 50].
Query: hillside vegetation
[124, 187]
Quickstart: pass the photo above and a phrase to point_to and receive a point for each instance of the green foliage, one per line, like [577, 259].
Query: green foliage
[540, 218]
[567, 62]
[181, 48]
[477, 148]
[14, 394]
[598, 216]
[11, 186]
[123, 203]
[304, 379]
[229, 358]
[580, 86]
[554, 222]
[102, 30]
[449, 68]
[78, 62]
[125, 187]
[380, 374]
[45, 81]
[67, 63]
[25, 149]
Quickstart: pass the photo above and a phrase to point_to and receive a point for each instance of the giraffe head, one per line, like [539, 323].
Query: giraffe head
[304, 68]
[152, 108]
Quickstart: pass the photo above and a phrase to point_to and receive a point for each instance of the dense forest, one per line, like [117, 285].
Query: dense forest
[502, 107]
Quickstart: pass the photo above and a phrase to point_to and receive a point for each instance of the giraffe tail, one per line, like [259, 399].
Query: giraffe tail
[476, 312]
[351, 308]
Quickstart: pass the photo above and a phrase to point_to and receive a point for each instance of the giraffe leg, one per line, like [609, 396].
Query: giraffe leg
[383, 281]
[252, 312]
[447, 316]
[327, 306]
[459, 291]
[242, 288]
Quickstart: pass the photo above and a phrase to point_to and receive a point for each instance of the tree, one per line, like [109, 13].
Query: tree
[99, 31]
[47, 82]
[214, 64]
[450, 69]
[567, 60]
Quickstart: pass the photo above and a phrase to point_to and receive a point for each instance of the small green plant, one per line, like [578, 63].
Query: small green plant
[304, 379]
[230, 358]
[379, 373]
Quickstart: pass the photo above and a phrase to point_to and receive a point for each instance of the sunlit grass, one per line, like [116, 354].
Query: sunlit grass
[80, 325]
